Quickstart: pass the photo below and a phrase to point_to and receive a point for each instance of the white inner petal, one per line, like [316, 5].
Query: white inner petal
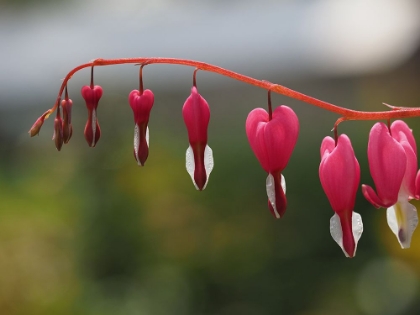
[271, 193]
[283, 183]
[190, 164]
[147, 136]
[208, 163]
[402, 219]
[337, 231]
[136, 143]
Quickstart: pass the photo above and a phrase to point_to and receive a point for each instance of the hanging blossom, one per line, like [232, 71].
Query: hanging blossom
[339, 173]
[92, 95]
[273, 142]
[392, 155]
[141, 103]
[199, 156]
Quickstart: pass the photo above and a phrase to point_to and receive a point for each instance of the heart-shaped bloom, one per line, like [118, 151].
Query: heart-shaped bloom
[339, 173]
[141, 104]
[199, 156]
[92, 95]
[273, 142]
[392, 155]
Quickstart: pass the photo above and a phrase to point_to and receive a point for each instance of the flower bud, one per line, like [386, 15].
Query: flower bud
[58, 131]
[92, 96]
[67, 104]
[36, 127]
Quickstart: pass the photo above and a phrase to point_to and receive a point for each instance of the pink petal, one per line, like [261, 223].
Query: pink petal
[255, 124]
[387, 163]
[272, 141]
[401, 132]
[196, 113]
[339, 173]
[92, 96]
[280, 137]
[371, 196]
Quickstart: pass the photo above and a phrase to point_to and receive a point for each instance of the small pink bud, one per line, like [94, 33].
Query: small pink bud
[67, 104]
[36, 127]
[141, 104]
[58, 131]
[92, 97]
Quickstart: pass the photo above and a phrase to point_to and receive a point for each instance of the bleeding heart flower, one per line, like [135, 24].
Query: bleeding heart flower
[339, 173]
[392, 155]
[199, 156]
[141, 104]
[58, 130]
[92, 96]
[273, 142]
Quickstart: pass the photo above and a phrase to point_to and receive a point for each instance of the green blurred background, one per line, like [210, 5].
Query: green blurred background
[86, 231]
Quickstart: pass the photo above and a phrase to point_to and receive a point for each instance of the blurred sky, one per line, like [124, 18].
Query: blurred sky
[42, 41]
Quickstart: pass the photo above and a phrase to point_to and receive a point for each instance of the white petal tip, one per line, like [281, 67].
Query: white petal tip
[337, 231]
[271, 191]
[208, 164]
[402, 219]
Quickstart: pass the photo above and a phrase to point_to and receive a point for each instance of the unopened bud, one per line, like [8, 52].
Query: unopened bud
[36, 127]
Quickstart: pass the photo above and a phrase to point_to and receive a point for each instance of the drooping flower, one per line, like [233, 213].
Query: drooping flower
[67, 104]
[92, 96]
[339, 173]
[141, 104]
[199, 156]
[392, 155]
[273, 142]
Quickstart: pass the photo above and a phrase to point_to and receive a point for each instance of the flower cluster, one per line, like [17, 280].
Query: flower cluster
[392, 155]
[272, 135]
[196, 113]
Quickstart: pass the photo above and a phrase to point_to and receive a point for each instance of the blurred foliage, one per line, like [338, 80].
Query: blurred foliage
[86, 231]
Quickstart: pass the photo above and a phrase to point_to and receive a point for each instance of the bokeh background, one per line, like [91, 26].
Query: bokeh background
[86, 231]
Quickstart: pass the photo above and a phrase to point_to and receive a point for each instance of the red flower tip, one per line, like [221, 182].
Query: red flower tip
[199, 156]
[272, 142]
[141, 104]
[92, 130]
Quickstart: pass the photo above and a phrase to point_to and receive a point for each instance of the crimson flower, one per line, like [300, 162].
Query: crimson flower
[141, 104]
[199, 156]
[339, 173]
[92, 96]
[392, 155]
[273, 142]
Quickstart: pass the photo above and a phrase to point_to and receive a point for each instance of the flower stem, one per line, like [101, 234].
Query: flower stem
[345, 113]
